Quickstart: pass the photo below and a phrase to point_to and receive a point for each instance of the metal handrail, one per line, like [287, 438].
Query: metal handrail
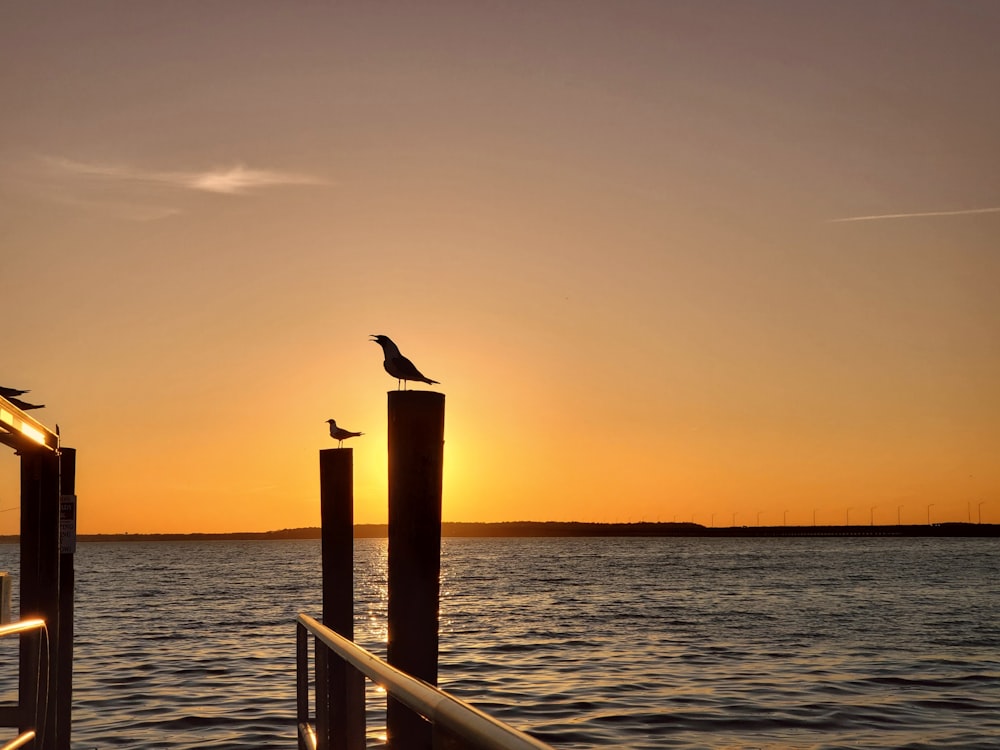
[20, 741]
[22, 626]
[12, 715]
[434, 704]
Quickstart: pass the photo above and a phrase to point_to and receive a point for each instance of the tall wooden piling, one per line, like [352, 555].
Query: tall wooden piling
[67, 584]
[416, 454]
[40, 588]
[340, 707]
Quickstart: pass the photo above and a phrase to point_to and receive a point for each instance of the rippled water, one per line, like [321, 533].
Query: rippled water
[641, 643]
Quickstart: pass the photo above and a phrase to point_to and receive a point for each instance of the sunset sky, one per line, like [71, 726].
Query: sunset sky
[669, 260]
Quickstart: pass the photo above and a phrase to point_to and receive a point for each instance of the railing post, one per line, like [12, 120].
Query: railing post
[340, 706]
[302, 683]
[444, 739]
[416, 453]
[324, 732]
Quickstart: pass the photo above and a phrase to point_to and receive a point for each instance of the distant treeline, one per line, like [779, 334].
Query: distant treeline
[571, 529]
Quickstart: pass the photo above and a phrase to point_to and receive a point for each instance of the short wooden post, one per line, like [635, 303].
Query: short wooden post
[340, 706]
[416, 455]
[67, 582]
[39, 587]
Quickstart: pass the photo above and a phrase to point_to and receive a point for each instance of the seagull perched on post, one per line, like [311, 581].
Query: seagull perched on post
[397, 365]
[340, 434]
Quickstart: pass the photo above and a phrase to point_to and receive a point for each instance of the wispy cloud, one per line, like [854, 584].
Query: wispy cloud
[919, 214]
[239, 179]
[234, 180]
[121, 210]
[133, 193]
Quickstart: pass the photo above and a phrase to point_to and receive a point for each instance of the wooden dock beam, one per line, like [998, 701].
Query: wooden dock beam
[416, 456]
[340, 693]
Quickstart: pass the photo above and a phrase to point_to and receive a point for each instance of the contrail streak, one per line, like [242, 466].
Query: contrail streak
[962, 212]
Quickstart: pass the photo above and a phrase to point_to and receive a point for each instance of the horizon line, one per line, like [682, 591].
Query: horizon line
[313, 532]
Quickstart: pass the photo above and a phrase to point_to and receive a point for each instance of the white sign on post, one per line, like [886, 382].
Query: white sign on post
[67, 524]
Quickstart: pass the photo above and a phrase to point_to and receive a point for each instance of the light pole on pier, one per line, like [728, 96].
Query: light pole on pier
[981, 510]
[871, 520]
[929, 506]
[847, 520]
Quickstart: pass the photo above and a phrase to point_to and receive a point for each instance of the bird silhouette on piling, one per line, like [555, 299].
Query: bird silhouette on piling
[397, 365]
[340, 434]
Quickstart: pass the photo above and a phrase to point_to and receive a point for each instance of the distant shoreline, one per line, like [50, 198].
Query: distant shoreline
[572, 529]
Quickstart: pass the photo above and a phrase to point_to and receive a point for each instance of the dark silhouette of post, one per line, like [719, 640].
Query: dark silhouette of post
[340, 707]
[67, 583]
[40, 588]
[416, 454]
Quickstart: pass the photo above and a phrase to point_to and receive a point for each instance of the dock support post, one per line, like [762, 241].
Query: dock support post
[67, 583]
[39, 590]
[416, 455]
[340, 707]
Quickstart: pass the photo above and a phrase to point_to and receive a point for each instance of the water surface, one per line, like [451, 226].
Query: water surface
[642, 643]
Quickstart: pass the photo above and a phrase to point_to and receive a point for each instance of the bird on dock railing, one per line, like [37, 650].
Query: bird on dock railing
[9, 392]
[340, 434]
[24, 405]
[397, 365]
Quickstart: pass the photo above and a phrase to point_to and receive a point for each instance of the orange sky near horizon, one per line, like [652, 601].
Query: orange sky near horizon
[716, 261]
